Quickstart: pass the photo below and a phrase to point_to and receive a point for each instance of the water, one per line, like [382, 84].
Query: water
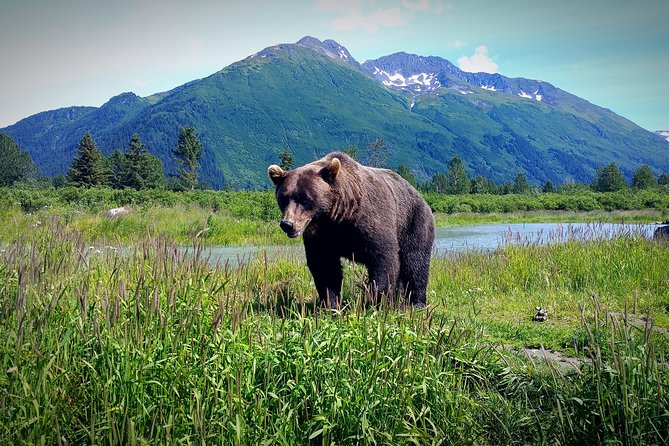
[461, 238]
[493, 236]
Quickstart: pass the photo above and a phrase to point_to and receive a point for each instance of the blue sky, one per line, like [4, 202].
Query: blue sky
[60, 53]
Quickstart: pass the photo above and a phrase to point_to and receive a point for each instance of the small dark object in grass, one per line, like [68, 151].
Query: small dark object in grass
[541, 315]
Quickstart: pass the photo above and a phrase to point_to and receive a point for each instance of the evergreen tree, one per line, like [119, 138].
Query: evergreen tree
[439, 183]
[482, 185]
[286, 159]
[405, 173]
[548, 187]
[457, 182]
[15, 165]
[88, 168]
[117, 169]
[520, 184]
[142, 170]
[187, 155]
[608, 179]
[351, 150]
[663, 179]
[643, 178]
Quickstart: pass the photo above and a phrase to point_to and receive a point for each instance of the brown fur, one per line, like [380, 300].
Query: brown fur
[368, 215]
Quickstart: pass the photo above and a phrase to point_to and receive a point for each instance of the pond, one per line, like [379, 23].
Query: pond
[456, 239]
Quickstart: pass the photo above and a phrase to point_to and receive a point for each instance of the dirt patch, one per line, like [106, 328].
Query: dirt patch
[561, 360]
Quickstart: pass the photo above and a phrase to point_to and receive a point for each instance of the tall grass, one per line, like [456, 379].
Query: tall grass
[154, 345]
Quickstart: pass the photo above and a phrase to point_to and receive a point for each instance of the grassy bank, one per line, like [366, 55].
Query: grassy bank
[238, 218]
[153, 346]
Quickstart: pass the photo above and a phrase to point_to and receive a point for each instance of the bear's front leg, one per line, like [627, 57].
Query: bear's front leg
[383, 272]
[328, 277]
[326, 268]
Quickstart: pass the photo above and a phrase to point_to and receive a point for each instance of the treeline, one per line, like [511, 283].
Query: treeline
[134, 168]
[455, 181]
[261, 205]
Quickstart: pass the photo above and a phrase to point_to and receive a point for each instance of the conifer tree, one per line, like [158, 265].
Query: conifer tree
[405, 173]
[117, 169]
[142, 169]
[663, 179]
[457, 180]
[520, 184]
[15, 165]
[286, 159]
[187, 154]
[548, 187]
[643, 178]
[351, 150]
[609, 179]
[482, 185]
[88, 168]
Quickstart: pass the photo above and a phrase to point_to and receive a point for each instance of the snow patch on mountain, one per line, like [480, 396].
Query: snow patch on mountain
[664, 134]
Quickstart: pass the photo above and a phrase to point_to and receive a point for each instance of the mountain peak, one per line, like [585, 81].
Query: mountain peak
[328, 47]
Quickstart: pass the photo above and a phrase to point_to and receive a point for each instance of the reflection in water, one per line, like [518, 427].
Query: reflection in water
[459, 239]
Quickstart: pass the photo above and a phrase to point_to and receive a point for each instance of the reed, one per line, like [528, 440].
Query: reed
[150, 343]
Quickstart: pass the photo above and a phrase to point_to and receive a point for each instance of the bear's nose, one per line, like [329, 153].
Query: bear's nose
[287, 226]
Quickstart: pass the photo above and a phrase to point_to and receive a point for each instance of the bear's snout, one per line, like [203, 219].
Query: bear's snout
[289, 228]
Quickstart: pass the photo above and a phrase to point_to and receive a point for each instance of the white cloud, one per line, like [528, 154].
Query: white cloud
[457, 44]
[479, 62]
[370, 22]
[369, 15]
[139, 83]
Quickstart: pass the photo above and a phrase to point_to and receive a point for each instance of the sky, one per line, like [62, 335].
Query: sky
[61, 53]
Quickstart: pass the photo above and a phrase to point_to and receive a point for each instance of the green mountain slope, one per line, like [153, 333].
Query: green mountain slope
[312, 97]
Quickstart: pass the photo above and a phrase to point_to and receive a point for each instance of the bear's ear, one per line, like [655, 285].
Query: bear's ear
[276, 174]
[329, 173]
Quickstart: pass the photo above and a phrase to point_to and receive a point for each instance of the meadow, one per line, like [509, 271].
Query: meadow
[111, 342]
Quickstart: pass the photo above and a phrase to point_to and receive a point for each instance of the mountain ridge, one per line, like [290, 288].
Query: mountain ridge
[313, 96]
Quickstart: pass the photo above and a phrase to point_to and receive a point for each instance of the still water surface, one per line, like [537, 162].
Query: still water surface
[455, 239]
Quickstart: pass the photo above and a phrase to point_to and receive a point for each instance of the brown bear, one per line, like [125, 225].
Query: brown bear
[369, 215]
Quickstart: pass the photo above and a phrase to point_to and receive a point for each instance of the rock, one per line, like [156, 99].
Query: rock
[117, 212]
[541, 315]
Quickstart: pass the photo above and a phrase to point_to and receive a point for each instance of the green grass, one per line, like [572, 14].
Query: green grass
[148, 345]
[241, 218]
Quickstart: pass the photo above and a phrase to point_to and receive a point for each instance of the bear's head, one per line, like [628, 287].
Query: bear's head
[305, 194]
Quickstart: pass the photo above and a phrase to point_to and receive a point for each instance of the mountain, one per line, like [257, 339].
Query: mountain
[664, 134]
[314, 97]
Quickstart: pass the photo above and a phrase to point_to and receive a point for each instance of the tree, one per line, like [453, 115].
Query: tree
[88, 168]
[643, 178]
[378, 153]
[286, 159]
[608, 179]
[663, 179]
[15, 165]
[139, 168]
[520, 184]
[439, 183]
[482, 185]
[405, 173]
[187, 155]
[351, 150]
[548, 187]
[457, 182]
[117, 169]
